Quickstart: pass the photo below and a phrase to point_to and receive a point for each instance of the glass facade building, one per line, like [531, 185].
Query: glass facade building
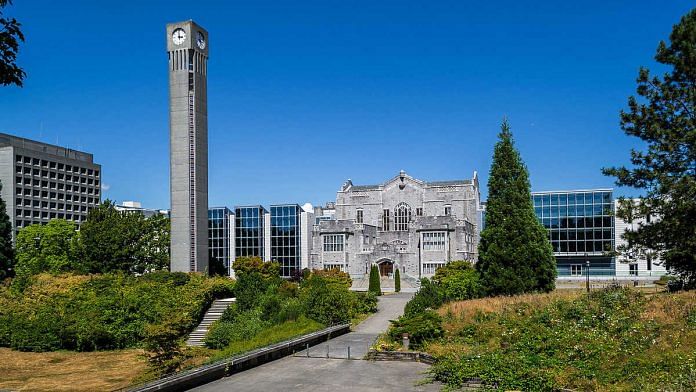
[285, 237]
[219, 234]
[580, 226]
[249, 231]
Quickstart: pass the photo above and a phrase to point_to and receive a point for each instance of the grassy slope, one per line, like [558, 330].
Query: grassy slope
[611, 341]
[70, 371]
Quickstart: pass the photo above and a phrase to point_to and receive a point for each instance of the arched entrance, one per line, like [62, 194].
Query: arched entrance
[386, 268]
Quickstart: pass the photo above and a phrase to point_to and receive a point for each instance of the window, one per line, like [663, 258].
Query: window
[430, 268]
[448, 210]
[333, 243]
[385, 220]
[576, 270]
[419, 211]
[359, 216]
[402, 216]
[434, 241]
[633, 269]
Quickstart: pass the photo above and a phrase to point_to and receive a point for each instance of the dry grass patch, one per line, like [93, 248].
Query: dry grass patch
[70, 371]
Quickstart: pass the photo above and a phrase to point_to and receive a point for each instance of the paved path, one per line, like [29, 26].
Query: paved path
[298, 373]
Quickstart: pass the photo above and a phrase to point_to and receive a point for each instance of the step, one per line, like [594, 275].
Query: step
[214, 313]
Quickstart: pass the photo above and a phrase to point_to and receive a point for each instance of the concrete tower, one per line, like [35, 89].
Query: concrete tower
[187, 45]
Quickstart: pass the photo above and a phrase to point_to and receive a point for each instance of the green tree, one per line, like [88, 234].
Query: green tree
[515, 255]
[47, 248]
[374, 282]
[10, 37]
[216, 267]
[665, 121]
[458, 280]
[397, 281]
[152, 248]
[253, 277]
[6, 250]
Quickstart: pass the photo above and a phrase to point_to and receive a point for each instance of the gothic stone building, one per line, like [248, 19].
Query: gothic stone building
[404, 223]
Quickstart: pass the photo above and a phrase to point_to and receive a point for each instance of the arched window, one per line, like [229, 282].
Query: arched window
[402, 215]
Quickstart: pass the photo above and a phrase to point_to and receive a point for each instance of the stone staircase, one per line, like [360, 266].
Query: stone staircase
[197, 337]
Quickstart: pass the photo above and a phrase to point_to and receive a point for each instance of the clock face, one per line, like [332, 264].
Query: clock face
[200, 40]
[179, 36]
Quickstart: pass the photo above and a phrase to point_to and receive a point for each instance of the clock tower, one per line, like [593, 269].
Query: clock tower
[187, 46]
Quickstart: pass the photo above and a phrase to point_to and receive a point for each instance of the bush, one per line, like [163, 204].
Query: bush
[335, 275]
[326, 302]
[429, 296]
[162, 342]
[291, 310]
[247, 324]
[365, 302]
[420, 328]
[254, 276]
[110, 311]
[458, 281]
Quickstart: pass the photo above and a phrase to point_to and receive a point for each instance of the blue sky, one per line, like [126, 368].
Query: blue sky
[303, 95]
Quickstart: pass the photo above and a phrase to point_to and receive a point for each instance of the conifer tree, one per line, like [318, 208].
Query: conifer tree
[6, 249]
[374, 282]
[515, 255]
[397, 281]
[663, 117]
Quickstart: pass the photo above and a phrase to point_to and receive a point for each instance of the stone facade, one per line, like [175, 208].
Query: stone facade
[404, 223]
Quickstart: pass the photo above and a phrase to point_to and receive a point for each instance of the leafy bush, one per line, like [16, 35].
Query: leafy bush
[99, 312]
[325, 301]
[246, 325]
[458, 281]
[429, 296]
[161, 341]
[365, 302]
[420, 328]
[254, 276]
[335, 275]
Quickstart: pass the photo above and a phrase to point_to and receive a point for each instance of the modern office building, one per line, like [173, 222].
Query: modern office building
[187, 47]
[250, 223]
[220, 234]
[404, 223]
[281, 234]
[580, 225]
[136, 207]
[41, 182]
[635, 263]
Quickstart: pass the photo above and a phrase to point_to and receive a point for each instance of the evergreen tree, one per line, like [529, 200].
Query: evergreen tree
[515, 255]
[666, 123]
[6, 250]
[397, 281]
[374, 286]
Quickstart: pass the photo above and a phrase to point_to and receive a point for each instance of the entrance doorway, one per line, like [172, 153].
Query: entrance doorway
[386, 268]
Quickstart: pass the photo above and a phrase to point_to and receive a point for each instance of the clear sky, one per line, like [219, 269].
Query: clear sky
[304, 95]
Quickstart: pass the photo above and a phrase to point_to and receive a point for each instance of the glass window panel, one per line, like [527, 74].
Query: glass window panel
[547, 200]
[607, 197]
[554, 199]
[598, 197]
[563, 199]
[564, 246]
[571, 246]
[580, 246]
[571, 199]
[563, 211]
[537, 200]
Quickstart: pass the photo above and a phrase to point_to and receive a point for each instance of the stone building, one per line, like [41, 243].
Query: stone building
[405, 223]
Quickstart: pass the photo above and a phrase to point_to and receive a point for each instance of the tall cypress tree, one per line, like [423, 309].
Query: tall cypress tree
[515, 255]
[6, 249]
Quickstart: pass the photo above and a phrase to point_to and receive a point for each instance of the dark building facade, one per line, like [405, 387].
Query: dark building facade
[285, 237]
[41, 182]
[250, 225]
[219, 232]
[580, 226]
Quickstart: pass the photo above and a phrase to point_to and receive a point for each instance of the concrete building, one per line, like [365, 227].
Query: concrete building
[187, 47]
[633, 264]
[404, 223]
[41, 182]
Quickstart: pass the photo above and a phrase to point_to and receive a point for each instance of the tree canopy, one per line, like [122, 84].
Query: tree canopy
[515, 255]
[10, 37]
[664, 118]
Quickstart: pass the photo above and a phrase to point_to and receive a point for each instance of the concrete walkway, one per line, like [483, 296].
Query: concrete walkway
[299, 373]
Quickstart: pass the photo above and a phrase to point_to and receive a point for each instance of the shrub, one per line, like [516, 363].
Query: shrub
[290, 310]
[254, 276]
[420, 328]
[325, 302]
[428, 297]
[397, 281]
[162, 342]
[458, 281]
[335, 275]
[247, 324]
[374, 283]
[365, 302]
